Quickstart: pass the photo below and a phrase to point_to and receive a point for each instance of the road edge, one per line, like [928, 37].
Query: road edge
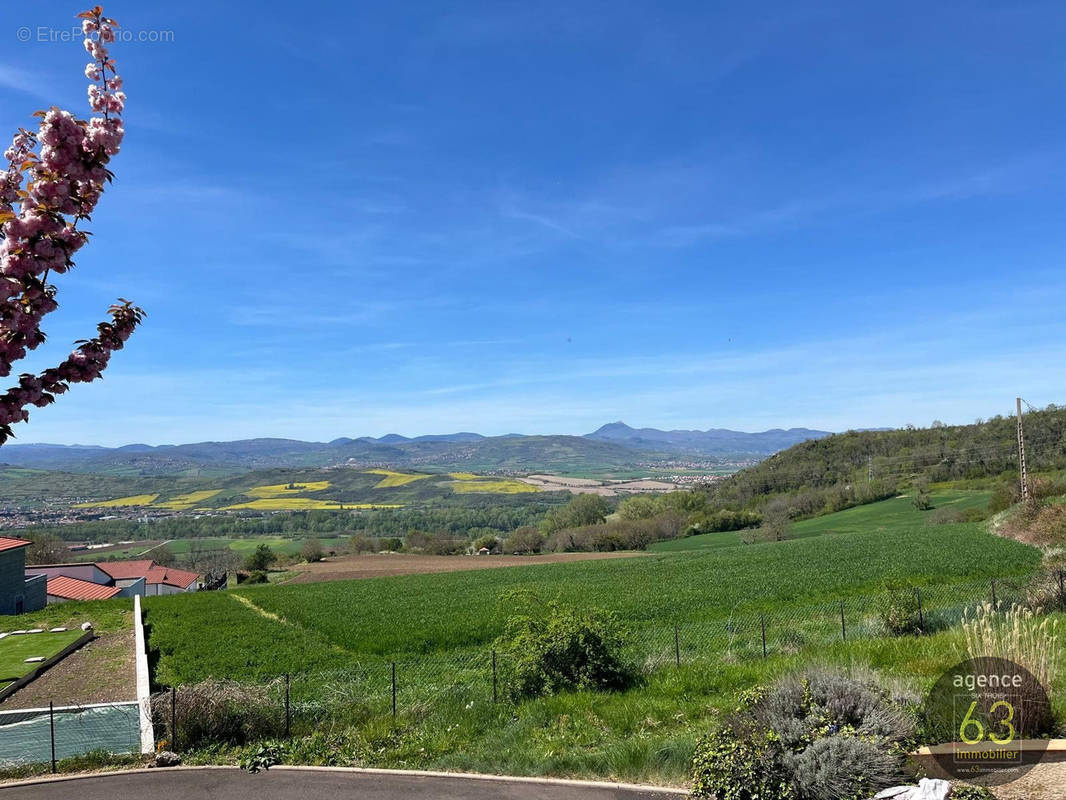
[474, 776]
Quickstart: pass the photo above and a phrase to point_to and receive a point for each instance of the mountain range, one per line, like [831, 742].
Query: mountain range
[615, 446]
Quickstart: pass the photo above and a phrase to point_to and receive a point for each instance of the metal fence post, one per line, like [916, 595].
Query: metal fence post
[393, 688]
[994, 603]
[494, 687]
[762, 619]
[174, 718]
[52, 732]
[288, 708]
[677, 646]
[843, 625]
[1062, 588]
[921, 615]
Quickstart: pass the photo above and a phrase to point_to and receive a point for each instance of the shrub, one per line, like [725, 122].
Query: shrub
[261, 559]
[818, 736]
[526, 540]
[897, 606]
[843, 766]
[730, 766]
[561, 648]
[727, 521]
[960, 792]
[312, 550]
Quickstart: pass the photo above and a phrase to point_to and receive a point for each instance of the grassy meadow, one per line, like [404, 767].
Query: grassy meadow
[888, 517]
[700, 589]
[339, 640]
[438, 629]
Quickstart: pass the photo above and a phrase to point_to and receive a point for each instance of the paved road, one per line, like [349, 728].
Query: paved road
[281, 784]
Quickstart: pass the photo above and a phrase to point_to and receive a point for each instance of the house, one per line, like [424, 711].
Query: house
[19, 592]
[107, 579]
[157, 579]
[62, 588]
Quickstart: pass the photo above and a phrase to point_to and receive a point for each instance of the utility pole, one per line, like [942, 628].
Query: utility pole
[1021, 455]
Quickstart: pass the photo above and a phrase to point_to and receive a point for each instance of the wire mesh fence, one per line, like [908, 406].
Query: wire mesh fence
[415, 686]
[36, 735]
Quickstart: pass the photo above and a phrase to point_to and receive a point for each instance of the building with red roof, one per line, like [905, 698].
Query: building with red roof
[64, 588]
[157, 579]
[106, 579]
[19, 592]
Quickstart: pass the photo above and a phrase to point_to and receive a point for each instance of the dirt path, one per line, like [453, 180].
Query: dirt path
[103, 671]
[261, 611]
[379, 565]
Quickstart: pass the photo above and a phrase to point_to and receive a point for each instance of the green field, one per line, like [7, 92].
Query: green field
[14, 650]
[340, 639]
[698, 589]
[897, 515]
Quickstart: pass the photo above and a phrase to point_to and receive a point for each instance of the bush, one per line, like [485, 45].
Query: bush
[843, 766]
[897, 606]
[312, 551]
[726, 766]
[563, 649]
[261, 559]
[727, 521]
[525, 540]
[818, 736]
[960, 792]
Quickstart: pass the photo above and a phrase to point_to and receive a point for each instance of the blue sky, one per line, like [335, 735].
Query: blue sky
[358, 218]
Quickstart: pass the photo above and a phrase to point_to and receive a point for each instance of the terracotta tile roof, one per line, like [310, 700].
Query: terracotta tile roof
[11, 544]
[74, 589]
[172, 577]
[150, 571]
[126, 569]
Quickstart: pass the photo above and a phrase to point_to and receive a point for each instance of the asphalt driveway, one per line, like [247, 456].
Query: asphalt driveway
[291, 784]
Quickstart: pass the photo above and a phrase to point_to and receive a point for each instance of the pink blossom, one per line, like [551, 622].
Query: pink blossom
[65, 179]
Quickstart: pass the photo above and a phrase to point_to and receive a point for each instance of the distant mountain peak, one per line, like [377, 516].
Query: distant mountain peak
[716, 441]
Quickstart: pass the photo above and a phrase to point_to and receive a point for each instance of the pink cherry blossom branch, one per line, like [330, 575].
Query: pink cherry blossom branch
[64, 165]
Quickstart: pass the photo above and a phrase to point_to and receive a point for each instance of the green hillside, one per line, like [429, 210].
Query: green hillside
[897, 515]
[847, 461]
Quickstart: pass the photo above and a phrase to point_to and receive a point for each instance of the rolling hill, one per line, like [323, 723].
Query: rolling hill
[612, 448]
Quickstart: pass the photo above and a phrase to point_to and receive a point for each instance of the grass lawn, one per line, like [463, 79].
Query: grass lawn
[107, 616]
[14, 650]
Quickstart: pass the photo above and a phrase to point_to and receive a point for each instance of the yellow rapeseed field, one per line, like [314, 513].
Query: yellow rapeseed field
[183, 502]
[132, 500]
[463, 476]
[494, 486]
[392, 479]
[283, 490]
